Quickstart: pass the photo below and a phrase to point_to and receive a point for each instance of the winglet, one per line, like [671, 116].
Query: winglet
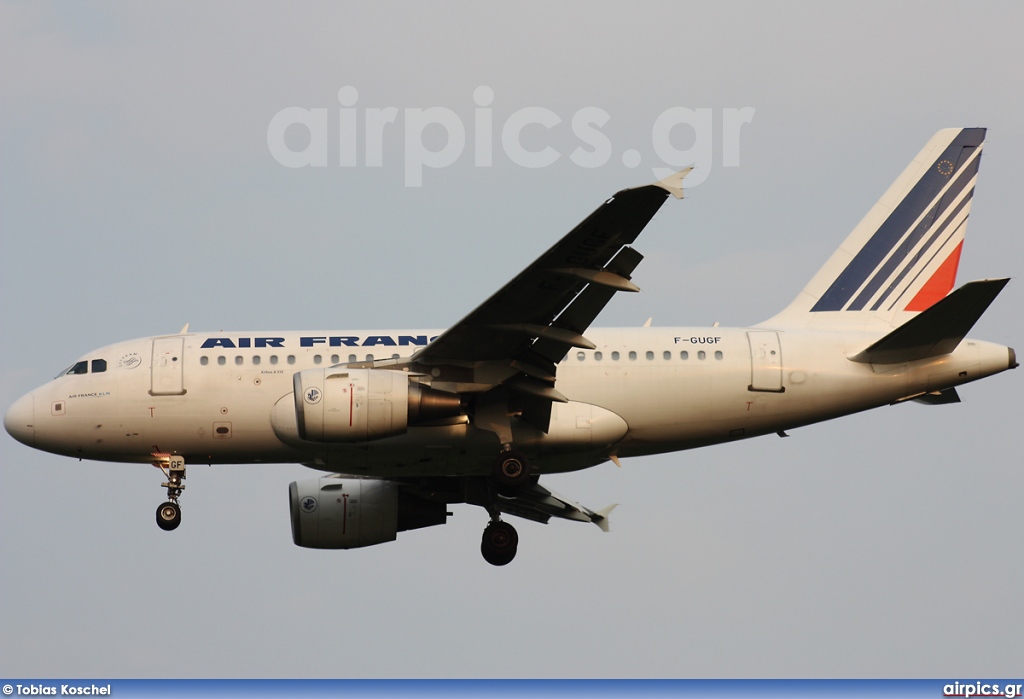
[673, 184]
[600, 517]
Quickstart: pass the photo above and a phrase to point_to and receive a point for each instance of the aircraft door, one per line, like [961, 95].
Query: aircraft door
[167, 367]
[765, 361]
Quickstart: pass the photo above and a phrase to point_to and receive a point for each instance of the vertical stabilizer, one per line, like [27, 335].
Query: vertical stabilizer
[904, 254]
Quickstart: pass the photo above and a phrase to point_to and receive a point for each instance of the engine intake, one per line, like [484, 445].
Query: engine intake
[347, 513]
[357, 405]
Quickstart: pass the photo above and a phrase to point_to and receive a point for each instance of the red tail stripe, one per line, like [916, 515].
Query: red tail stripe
[941, 283]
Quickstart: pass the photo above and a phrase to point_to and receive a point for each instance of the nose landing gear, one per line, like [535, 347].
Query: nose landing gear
[168, 515]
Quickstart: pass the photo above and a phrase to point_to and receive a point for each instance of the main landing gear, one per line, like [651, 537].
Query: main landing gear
[509, 477]
[511, 473]
[168, 515]
[499, 543]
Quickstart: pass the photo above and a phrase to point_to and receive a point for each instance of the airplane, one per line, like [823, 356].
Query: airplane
[404, 423]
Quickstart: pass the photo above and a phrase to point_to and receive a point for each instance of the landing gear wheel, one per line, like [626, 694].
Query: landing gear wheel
[511, 473]
[168, 516]
[499, 544]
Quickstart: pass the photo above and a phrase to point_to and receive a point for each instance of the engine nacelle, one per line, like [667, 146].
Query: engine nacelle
[347, 513]
[339, 404]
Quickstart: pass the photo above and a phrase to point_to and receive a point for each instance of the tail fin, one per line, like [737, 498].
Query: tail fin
[903, 256]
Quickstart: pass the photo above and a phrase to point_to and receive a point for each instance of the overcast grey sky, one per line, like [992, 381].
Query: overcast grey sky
[138, 193]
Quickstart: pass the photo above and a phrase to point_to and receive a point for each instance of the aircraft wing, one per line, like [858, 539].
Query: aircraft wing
[538, 504]
[517, 336]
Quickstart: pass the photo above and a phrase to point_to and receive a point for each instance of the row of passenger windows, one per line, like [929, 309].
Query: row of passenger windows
[100, 365]
[685, 354]
[337, 359]
[290, 359]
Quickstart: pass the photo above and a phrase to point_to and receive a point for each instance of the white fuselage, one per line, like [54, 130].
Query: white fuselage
[211, 397]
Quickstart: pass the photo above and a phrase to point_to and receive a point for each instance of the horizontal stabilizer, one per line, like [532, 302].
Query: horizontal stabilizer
[937, 330]
[943, 397]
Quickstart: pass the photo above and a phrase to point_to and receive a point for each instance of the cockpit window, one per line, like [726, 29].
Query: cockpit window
[98, 367]
[77, 368]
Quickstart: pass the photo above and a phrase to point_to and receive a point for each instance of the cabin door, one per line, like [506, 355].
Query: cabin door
[167, 371]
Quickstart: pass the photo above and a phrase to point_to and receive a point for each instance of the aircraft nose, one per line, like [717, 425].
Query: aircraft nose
[19, 420]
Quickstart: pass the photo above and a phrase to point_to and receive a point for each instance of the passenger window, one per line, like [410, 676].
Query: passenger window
[99, 366]
[239, 360]
[650, 355]
[256, 359]
[273, 359]
[204, 360]
[352, 358]
[718, 354]
[222, 360]
[667, 355]
[291, 358]
[335, 359]
[369, 357]
[632, 356]
[598, 356]
[581, 356]
[615, 356]
[702, 355]
[684, 355]
[317, 359]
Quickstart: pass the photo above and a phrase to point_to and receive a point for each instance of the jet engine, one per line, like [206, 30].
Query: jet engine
[347, 513]
[356, 405]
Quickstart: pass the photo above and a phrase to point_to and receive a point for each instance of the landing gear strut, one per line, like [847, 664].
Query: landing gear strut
[499, 543]
[168, 515]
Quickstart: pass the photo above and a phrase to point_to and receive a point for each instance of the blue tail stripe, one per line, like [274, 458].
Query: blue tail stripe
[938, 249]
[908, 244]
[892, 229]
[930, 245]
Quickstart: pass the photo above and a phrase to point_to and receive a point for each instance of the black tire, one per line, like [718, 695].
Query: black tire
[499, 544]
[511, 473]
[168, 516]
